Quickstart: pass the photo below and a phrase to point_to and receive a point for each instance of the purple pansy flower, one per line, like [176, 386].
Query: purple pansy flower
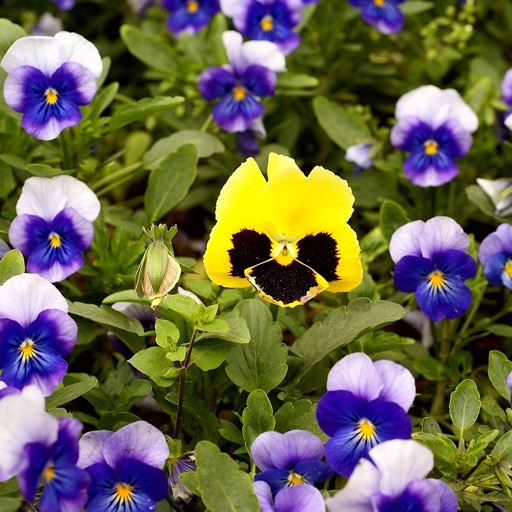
[384, 15]
[246, 142]
[496, 256]
[54, 225]
[394, 480]
[125, 468]
[432, 262]
[268, 20]
[361, 155]
[49, 78]
[366, 403]
[177, 490]
[251, 73]
[36, 333]
[289, 459]
[38, 447]
[189, 15]
[65, 5]
[299, 498]
[435, 127]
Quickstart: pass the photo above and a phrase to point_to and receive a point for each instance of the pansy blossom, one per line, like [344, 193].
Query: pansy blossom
[189, 15]
[54, 225]
[267, 20]
[65, 5]
[384, 15]
[435, 127]
[393, 479]
[125, 468]
[366, 403]
[299, 498]
[496, 256]
[250, 74]
[48, 79]
[432, 261]
[289, 459]
[287, 236]
[36, 333]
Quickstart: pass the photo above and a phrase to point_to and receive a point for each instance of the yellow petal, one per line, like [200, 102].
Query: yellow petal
[280, 163]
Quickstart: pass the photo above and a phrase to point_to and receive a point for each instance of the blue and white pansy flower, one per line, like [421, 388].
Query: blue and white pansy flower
[268, 20]
[384, 15]
[36, 333]
[435, 127]
[48, 79]
[251, 73]
[394, 480]
[431, 261]
[189, 15]
[496, 256]
[366, 403]
[54, 225]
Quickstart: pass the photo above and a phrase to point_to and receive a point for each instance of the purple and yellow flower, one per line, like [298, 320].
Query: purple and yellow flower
[54, 225]
[287, 236]
[394, 479]
[384, 15]
[250, 74]
[496, 256]
[435, 127]
[366, 403]
[125, 468]
[431, 261]
[266, 20]
[289, 459]
[36, 333]
[299, 498]
[48, 79]
[37, 448]
[189, 15]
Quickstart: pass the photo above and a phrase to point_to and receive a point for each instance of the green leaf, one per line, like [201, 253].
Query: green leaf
[224, 488]
[149, 49]
[185, 306]
[12, 264]
[340, 327]
[206, 145]
[464, 405]
[9, 32]
[430, 426]
[167, 334]
[231, 432]
[257, 417]
[217, 326]
[9, 504]
[503, 448]
[170, 182]
[261, 364]
[237, 332]
[445, 451]
[124, 296]
[68, 393]
[416, 6]
[430, 368]
[142, 109]
[300, 414]
[391, 217]
[103, 100]
[501, 330]
[499, 369]
[296, 81]
[153, 363]
[344, 128]
[210, 354]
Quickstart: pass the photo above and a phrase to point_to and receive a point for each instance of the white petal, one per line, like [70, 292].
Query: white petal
[257, 126]
[508, 121]
[91, 446]
[494, 188]
[233, 41]
[399, 384]
[79, 197]
[24, 420]
[399, 462]
[264, 53]
[237, 10]
[441, 234]
[404, 241]
[23, 297]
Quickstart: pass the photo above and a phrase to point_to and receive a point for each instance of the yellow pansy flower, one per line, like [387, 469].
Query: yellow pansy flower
[287, 236]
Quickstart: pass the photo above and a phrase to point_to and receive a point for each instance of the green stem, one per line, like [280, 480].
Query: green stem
[116, 174]
[67, 162]
[207, 123]
[438, 402]
[114, 185]
[181, 392]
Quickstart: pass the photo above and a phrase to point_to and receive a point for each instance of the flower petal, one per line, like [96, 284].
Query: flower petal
[405, 241]
[398, 382]
[91, 448]
[499, 242]
[299, 498]
[441, 234]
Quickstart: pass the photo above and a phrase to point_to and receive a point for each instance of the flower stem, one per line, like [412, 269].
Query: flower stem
[438, 402]
[181, 393]
[206, 124]
[106, 180]
[67, 162]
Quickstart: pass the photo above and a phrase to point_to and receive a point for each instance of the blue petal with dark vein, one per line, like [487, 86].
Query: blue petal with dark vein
[259, 80]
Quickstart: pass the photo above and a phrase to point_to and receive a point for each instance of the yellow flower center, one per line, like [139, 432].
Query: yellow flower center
[436, 278]
[284, 253]
[239, 93]
[27, 349]
[430, 147]
[55, 240]
[123, 491]
[267, 23]
[366, 429]
[295, 479]
[49, 473]
[51, 96]
[508, 268]
[379, 3]
[192, 6]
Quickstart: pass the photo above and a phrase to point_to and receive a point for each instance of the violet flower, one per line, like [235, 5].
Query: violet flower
[48, 79]
[299, 498]
[36, 333]
[366, 403]
[48, 25]
[361, 155]
[384, 15]
[65, 5]
[189, 15]
[496, 256]
[393, 479]
[432, 262]
[251, 73]
[506, 95]
[289, 459]
[435, 127]
[54, 225]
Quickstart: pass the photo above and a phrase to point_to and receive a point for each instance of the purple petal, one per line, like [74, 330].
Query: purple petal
[499, 242]
[296, 446]
[494, 270]
[399, 385]
[91, 448]
[429, 172]
[387, 19]
[262, 447]
[55, 328]
[299, 498]
[419, 495]
[506, 87]
[411, 272]
[37, 455]
[264, 495]
[446, 495]
[441, 234]
[259, 80]
[216, 82]
[405, 241]
[234, 115]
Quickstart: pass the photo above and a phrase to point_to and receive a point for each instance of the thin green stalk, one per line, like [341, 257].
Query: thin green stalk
[67, 162]
[207, 123]
[116, 174]
[113, 185]
[438, 403]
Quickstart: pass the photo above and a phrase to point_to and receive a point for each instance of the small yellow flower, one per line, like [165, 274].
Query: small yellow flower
[287, 236]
